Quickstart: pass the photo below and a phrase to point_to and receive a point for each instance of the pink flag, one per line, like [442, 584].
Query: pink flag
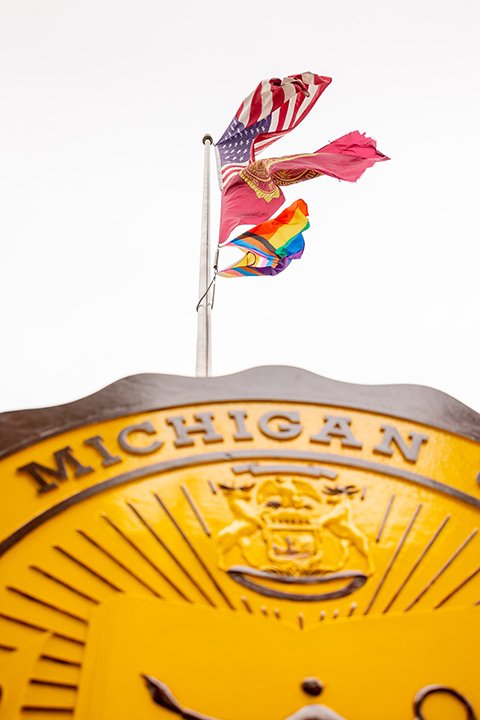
[255, 193]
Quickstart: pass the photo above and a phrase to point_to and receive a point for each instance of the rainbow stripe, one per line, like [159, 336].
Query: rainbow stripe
[271, 246]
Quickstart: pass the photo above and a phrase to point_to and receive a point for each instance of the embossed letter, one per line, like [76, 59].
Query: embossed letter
[339, 427]
[96, 443]
[240, 416]
[203, 425]
[391, 435]
[62, 458]
[282, 431]
[148, 429]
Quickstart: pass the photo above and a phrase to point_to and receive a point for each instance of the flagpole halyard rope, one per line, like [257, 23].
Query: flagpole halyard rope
[212, 283]
[215, 273]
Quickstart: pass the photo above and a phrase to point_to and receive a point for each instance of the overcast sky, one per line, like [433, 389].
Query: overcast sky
[103, 107]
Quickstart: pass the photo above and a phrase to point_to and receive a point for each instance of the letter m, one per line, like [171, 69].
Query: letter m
[39, 473]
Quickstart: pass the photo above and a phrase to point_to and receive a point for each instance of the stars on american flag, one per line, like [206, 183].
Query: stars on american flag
[235, 145]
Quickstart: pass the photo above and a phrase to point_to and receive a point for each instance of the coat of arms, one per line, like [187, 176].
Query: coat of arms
[288, 531]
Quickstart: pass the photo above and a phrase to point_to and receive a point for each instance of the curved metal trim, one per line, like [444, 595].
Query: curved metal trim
[434, 689]
[358, 580]
[148, 392]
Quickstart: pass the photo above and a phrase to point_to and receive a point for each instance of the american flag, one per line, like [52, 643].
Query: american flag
[273, 109]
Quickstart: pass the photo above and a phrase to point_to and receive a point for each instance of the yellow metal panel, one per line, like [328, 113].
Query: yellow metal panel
[233, 553]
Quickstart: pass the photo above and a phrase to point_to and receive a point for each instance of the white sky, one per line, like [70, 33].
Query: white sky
[103, 107]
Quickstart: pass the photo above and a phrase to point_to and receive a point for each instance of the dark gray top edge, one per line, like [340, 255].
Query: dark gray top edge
[141, 393]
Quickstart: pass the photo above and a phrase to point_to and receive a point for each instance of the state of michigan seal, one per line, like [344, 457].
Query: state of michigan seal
[268, 545]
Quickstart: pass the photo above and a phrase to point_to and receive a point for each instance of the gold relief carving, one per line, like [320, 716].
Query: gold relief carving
[264, 181]
[257, 176]
[291, 177]
[339, 521]
[287, 527]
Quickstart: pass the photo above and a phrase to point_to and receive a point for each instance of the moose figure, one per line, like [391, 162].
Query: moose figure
[339, 521]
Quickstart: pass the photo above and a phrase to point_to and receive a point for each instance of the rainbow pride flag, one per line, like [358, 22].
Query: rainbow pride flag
[271, 246]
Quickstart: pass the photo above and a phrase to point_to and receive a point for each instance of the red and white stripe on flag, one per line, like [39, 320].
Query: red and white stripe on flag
[281, 103]
[294, 108]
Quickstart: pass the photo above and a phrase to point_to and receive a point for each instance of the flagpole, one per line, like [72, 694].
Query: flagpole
[205, 294]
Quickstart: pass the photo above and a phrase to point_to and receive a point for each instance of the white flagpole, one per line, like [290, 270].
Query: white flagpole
[205, 294]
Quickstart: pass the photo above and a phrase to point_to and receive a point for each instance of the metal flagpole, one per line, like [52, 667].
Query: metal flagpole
[205, 293]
